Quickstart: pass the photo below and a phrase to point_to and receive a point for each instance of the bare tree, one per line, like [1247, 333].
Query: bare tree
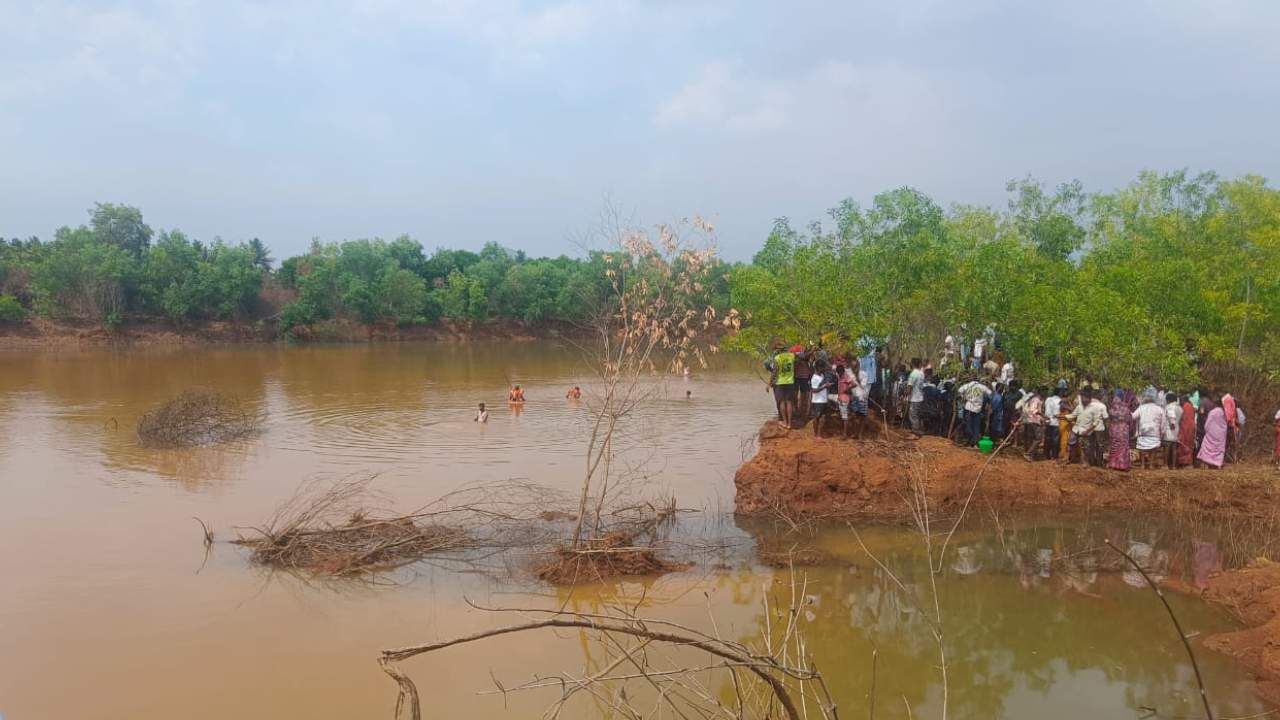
[652, 320]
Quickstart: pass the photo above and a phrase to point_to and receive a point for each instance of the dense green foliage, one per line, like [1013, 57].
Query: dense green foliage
[11, 311]
[1148, 282]
[395, 282]
[112, 270]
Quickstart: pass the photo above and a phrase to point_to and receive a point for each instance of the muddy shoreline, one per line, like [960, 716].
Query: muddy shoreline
[40, 333]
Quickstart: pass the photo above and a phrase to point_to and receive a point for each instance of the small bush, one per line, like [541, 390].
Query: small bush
[11, 311]
[195, 418]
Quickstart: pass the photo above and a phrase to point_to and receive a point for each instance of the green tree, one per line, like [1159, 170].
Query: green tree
[261, 255]
[170, 280]
[121, 226]
[11, 311]
[1051, 223]
[81, 277]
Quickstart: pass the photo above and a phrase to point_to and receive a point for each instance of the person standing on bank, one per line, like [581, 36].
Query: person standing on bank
[975, 394]
[1173, 422]
[804, 376]
[1151, 423]
[915, 382]
[1052, 409]
[782, 378]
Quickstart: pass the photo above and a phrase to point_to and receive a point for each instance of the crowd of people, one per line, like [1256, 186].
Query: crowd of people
[975, 397]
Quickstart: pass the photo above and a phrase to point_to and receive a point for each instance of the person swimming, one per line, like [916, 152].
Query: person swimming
[516, 395]
[575, 393]
[482, 415]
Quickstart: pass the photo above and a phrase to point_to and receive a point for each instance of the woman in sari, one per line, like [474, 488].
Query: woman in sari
[1186, 450]
[1213, 448]
[1278, 437]
[1118, 425]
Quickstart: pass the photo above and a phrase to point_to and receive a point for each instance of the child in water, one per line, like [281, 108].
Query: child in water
[516, 395]
[482, 415]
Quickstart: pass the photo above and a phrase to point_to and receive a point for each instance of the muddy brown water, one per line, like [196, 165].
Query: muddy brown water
[110, 610]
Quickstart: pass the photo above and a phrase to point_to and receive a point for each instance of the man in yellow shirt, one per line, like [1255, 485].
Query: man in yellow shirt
[782, 378]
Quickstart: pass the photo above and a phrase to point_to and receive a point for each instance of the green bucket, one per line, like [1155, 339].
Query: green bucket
[985, 444]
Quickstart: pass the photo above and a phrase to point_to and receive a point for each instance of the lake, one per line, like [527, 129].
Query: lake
[111, 608]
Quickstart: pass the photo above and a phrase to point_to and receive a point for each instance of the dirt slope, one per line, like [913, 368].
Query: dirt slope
[1252, 594]
[803, 476]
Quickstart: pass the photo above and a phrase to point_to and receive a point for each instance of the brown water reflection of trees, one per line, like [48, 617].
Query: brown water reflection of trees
[1031, 611]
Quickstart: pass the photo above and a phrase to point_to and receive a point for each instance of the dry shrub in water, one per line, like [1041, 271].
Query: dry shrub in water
[626, 547]
[196, 417]
[328, 529]
[357, 546]
[611, 556]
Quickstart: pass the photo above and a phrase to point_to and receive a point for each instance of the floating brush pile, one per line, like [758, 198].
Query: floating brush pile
[623, 547]
[359, 545]
[344, 528]
[197, 417]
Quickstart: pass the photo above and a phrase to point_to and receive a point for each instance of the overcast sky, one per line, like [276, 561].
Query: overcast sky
[460, 122]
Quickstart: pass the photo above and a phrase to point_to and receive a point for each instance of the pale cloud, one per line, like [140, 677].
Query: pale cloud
[725, 96]
[721, 96]
[59, 49]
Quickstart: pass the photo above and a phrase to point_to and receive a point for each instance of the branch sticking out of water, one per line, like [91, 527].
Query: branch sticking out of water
[782, 670]
[1204, 697]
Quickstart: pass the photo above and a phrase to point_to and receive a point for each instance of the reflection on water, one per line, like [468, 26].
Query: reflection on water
[101, 554]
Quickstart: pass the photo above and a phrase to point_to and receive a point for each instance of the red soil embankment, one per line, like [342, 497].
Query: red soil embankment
[799, 475]
[1252, 595]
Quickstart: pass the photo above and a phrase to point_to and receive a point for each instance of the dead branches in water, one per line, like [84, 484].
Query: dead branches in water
[627, 548]
[343, 528]
[670, 665]
[196, 417]
[333, 529]
[357, 546]
[603, 558]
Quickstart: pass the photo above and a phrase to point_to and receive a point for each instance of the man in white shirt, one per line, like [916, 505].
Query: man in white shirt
[1173, 420]
[915, 381]
[1052, 409]
[821, 383]
[1090, 418]
[1006, 373]
[975, 395]
[979, 352]
[1033, 424]
[1151, 424]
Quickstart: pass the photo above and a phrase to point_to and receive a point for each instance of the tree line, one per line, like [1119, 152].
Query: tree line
[1151, 282]
[117, 269]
